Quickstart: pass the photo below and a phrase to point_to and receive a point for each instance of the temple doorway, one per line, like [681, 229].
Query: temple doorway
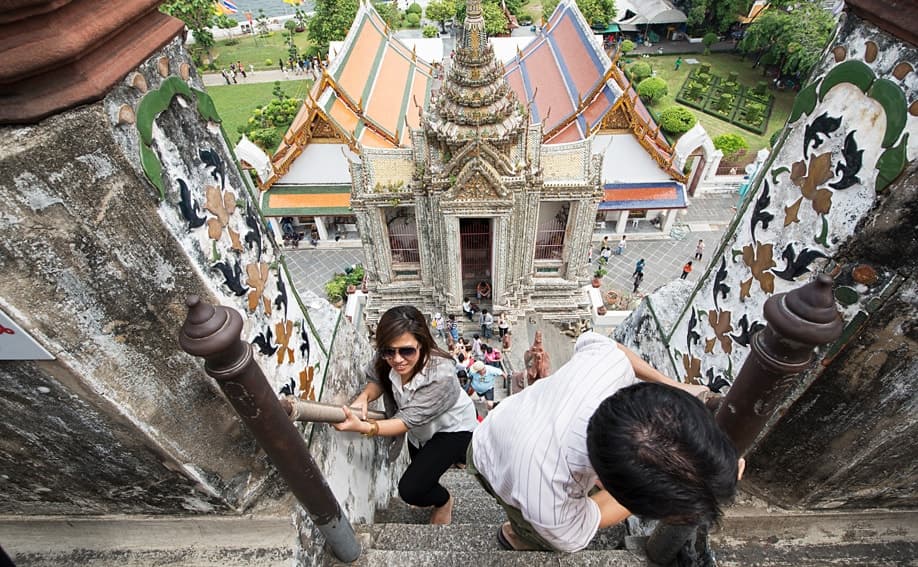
[475, 254]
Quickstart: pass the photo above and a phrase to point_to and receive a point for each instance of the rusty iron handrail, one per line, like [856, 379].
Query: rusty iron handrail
[798, 322]
[317, 412]
[213, 333]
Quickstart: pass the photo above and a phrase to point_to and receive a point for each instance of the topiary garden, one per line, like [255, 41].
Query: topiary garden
[728, 99]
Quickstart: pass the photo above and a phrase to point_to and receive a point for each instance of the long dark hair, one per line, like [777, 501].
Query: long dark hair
[396, 322]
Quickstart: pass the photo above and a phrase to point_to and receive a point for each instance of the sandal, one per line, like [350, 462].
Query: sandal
[502, 539]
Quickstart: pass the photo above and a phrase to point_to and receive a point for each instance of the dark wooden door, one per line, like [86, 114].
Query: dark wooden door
[475, 249]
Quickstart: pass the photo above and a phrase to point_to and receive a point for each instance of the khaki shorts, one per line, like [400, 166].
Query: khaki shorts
[521, 527]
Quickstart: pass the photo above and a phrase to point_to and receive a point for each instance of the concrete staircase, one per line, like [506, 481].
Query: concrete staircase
[402, 536]
[752, 534]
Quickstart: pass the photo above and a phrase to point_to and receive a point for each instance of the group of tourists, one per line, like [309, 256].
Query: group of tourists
[235, 69]
[478, 365]
[300, 66]
[603, 437]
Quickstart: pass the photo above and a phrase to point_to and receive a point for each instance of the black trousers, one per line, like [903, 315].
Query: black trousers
[420, 485]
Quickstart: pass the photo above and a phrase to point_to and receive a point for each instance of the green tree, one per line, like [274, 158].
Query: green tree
[441, 11]
[198, 15]
[708, 40]
[596, 12]
[413, 20]
[430, 31]
[496, 22]
[225, 22]
[793, 39]
[627, 47]
[640, 71]
[330, 22]
[268, 123]
[730, 144]
[415, 8]
[714, 15]
[677, 120]
[652, 89]
[389, 12]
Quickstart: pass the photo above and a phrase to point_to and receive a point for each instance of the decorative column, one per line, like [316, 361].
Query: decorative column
[622, 223]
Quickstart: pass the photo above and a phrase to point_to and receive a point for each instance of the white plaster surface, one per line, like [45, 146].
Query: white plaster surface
[319, 164]
[626, 161]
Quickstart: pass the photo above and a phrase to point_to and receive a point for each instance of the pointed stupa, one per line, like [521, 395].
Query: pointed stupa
[475, 101]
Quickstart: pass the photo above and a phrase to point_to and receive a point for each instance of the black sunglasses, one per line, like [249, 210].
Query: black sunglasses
[404, 352]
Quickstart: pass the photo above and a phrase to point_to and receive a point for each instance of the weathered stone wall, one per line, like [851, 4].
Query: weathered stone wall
[363, 473]
[837, 196]
[110, 215]
[91, 272]
[848, 439]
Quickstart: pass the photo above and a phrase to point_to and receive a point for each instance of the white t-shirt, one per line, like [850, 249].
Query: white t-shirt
[532, 447]
[461, 416]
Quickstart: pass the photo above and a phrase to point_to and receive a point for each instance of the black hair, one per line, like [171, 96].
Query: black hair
[659, 453]
[396, 322]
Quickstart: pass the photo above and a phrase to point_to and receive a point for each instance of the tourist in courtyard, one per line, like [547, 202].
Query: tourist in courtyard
[639, 267]
[502, 325]
[453, 327]
[467, 308]
[492, 356]
[483, 377]
[699, 249]
[437, 323]
[604, 256]
[476, 351]
[620, 249]
[638, 278]
[678, 63]
[486, 320]
[686, 270]
[424, 400]
[606, 420]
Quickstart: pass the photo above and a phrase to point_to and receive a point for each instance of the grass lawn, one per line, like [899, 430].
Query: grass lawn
[721, 64]
[255, 51]
[235, 103]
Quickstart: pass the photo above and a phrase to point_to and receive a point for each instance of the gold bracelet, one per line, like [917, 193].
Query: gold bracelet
[374, 428]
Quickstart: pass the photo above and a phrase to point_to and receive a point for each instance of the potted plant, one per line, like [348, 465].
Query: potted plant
[598, 275]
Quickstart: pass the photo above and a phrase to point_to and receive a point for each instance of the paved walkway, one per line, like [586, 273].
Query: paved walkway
[663, 47]
[706, 218]
[217, 80]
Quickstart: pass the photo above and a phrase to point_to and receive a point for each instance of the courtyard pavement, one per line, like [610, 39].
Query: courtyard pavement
[706, 218]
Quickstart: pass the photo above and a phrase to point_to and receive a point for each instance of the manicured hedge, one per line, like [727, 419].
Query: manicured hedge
[750, 108]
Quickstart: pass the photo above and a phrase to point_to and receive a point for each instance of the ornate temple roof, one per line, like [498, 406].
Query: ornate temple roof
[370, 93]
[563, 77]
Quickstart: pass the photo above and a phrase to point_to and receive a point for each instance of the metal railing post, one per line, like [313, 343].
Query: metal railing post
[798, 322]
[213, 333]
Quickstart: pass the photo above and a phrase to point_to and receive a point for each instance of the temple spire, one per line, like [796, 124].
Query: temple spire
[472, 9]
[475, 101]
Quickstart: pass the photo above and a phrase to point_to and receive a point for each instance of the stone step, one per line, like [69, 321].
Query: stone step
[427, 558]
[466, 510]
[463, 537]
[137, 541]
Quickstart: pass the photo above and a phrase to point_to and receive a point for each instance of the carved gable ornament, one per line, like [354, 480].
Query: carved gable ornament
[478, 180]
